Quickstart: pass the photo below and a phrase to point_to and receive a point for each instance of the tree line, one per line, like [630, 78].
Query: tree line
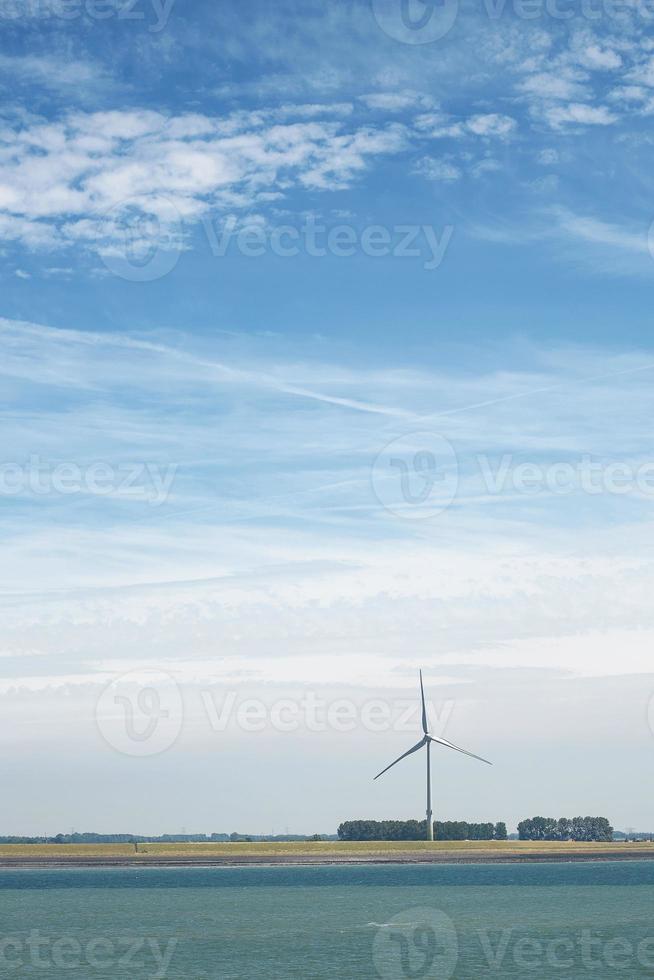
[88, 838]
[566, 828]
[417, 830]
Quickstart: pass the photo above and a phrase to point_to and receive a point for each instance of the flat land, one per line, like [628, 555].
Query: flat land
[318, 852]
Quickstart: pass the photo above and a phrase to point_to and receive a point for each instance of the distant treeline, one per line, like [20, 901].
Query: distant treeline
[164, 839]
[115, 839]
[565, 828]
[417, 830]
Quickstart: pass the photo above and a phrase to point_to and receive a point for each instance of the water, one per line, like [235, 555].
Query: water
[468, 922]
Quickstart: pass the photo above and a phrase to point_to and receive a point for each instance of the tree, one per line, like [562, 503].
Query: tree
[499, 832]
[538, 828]
[564, 829]
[415, 830]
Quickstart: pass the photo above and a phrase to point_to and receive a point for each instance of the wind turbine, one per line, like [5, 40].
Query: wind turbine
[426, 740]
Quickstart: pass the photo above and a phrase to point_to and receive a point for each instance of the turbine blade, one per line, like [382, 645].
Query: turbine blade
[425, 726]
[423, 741]
[451, 745]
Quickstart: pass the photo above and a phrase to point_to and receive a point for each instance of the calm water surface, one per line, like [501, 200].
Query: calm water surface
[473, 921]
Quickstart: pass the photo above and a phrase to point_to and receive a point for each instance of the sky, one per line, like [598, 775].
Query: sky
[326, 356]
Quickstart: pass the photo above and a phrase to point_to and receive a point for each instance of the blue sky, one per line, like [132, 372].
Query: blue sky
[326, 355]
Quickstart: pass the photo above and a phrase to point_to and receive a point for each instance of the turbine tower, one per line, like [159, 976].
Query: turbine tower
[426, 740]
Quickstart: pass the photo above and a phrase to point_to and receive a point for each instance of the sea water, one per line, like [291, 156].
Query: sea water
[591, 920]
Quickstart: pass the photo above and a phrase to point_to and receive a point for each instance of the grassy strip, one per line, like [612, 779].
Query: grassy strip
[312, 848]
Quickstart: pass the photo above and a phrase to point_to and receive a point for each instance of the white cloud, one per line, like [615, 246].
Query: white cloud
[312, 110]
[554, 85]
[396, 101]
[59, 180]
[643, 74]
[437, 125]
[491, 124]
[600, 232]
[437, 169]
[545, 185]
[343, 157]
[488, 165]
[604, 247]
[597, 58]
[60, 73]
[577, 113]
[585, 73]
[628, 93]
[548, 157]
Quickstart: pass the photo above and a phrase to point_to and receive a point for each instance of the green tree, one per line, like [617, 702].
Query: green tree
[414, 830]
[576, 829]
[564, 829]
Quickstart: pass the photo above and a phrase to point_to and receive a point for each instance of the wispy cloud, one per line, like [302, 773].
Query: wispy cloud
[600, 232]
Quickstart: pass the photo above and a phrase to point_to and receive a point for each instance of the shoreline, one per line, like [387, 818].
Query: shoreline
[313, 860]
